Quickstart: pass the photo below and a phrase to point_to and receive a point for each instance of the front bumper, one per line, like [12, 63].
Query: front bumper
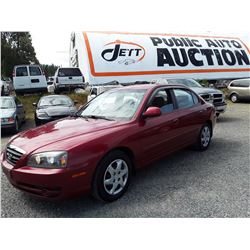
[47, 183]
[220, 107]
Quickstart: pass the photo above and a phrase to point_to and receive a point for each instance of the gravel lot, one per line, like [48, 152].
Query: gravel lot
[214, 183]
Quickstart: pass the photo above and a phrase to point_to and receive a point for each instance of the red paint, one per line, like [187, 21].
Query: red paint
[88, 141]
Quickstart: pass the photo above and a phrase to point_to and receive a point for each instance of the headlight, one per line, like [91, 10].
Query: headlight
[42, 115]
[55, 159]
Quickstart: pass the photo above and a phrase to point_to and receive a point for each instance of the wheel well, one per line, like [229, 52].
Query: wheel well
[233, 93]
[129, 153]
[211, 126]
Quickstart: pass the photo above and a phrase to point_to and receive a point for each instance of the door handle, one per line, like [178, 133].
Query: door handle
[175, 121]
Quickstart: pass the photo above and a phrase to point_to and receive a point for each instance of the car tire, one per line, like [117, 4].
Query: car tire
[204, 138]
[16, 127]
[234, 98]
[112, 176]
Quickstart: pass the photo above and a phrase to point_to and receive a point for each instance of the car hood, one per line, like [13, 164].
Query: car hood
[60, 130]
[57, 110]
[203, 90]
[5, 113]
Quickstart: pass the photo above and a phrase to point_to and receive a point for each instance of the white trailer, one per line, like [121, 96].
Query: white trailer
[127, 57]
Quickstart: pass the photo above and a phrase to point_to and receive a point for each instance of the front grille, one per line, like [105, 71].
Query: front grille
[217, 98]
[206, 97]
[13, 154]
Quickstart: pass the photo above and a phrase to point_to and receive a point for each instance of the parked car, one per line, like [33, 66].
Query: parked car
[67, 79]
[12, 113]
[29, 79]
[114, 134]
[214, 96]
[53, 107]
[4, 86]
[239, 90]
[219, 84]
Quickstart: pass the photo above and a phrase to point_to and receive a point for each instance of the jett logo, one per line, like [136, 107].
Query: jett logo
[124, 52]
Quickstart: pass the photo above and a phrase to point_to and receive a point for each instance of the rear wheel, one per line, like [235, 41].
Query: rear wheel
[204, 137]
[234, 98]
[112, 176]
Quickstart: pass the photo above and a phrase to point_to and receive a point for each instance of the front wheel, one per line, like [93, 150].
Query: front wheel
[112, 176]
[204, 137]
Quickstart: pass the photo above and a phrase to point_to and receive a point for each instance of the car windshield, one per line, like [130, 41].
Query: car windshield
[6, 103]
[114, 104]
[187, 82]
[55, 101]
[69, 72]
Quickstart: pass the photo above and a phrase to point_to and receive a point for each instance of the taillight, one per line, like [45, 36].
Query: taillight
[13, 74]
[56, 79]
[83, 79]
[11, 119]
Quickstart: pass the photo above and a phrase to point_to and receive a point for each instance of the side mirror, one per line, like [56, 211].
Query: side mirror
[152, 112]
[34, 104]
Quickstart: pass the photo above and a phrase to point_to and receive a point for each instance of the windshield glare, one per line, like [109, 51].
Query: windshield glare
[55, 101]
[115, 104]
[187, 82]
[6, 103]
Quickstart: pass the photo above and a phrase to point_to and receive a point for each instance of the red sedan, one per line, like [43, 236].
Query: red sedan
[98, 148]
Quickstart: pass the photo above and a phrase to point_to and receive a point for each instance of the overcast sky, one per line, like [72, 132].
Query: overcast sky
[51, 24]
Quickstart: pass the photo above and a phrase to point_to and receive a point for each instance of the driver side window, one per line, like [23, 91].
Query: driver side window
[163, 100]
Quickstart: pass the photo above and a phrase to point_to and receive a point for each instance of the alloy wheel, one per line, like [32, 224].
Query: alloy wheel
[116, 177]
[205, 136]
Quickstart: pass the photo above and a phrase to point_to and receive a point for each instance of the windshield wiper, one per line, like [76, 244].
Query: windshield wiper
[97, 117]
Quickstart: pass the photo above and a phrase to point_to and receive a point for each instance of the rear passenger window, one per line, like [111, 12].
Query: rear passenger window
[21, 71]
[35, 71]
[184, 98]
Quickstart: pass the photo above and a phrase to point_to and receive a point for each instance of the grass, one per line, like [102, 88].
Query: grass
[28, 100]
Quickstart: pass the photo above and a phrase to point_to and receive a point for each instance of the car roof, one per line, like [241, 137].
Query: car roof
[241, 79]
[152, 86]
[54, 96]
[25, 65]
[68, 68]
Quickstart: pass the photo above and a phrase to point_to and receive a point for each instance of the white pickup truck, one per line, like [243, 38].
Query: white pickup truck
[67, 79]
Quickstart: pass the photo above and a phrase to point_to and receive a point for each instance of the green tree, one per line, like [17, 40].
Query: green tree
[49, 70]
[16, 48]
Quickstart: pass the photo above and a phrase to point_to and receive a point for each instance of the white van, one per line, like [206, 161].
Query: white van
[29, 79]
